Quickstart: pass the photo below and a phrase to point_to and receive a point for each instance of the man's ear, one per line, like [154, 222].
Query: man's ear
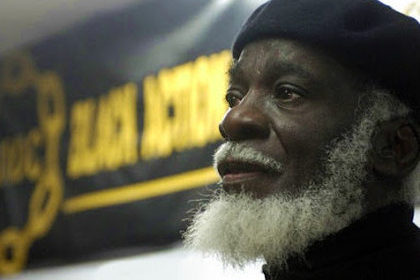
[395, 148]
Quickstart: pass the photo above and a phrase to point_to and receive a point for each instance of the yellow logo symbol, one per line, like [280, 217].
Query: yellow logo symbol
[18, 74]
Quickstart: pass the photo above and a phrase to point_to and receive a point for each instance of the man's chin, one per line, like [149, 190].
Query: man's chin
[239, 228]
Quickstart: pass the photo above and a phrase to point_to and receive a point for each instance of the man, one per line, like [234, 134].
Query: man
[320, 166]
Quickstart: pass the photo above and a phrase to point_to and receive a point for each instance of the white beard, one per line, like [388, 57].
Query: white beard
[240, 229]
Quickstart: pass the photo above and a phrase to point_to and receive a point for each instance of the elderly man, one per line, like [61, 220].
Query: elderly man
[322, 144]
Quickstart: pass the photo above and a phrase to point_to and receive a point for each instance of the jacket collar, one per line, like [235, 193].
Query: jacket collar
[365, 236]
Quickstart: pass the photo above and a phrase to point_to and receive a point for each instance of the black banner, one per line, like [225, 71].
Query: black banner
[107, 130]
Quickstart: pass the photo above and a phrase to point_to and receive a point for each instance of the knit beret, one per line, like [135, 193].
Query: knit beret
[364, 34]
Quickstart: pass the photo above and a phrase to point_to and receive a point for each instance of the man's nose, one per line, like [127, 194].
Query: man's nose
[244, 122]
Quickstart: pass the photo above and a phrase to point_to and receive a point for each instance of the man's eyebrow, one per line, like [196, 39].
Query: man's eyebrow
[275, 69]
[233, 70]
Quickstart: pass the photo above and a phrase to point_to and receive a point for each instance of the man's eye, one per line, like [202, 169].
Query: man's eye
[232, 99]
[288, 94]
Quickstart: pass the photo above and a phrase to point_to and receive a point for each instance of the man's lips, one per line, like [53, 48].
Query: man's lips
[237, 178]
[235, 171]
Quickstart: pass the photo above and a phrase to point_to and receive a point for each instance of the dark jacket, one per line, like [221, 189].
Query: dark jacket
[382, 245]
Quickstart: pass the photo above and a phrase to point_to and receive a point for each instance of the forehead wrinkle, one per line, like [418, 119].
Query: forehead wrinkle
[271, 56]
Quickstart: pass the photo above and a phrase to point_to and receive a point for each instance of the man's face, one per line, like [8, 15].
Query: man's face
[296, 163]
[288, 101]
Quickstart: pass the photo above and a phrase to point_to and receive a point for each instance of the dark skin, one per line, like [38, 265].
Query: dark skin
[289, 101]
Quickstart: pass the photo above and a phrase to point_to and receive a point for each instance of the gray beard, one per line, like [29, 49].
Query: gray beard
[241, 229]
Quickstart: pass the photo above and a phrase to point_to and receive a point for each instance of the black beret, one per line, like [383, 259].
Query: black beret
[364, 34]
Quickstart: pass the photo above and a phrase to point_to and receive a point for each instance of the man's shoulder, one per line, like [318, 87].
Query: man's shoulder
[399, 259]
[384, 245]
[395, 257]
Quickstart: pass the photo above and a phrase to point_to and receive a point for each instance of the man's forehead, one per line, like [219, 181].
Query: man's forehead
[282, 57]
[269, 49]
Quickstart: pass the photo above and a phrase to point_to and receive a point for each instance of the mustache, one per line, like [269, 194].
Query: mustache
[244, 153]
